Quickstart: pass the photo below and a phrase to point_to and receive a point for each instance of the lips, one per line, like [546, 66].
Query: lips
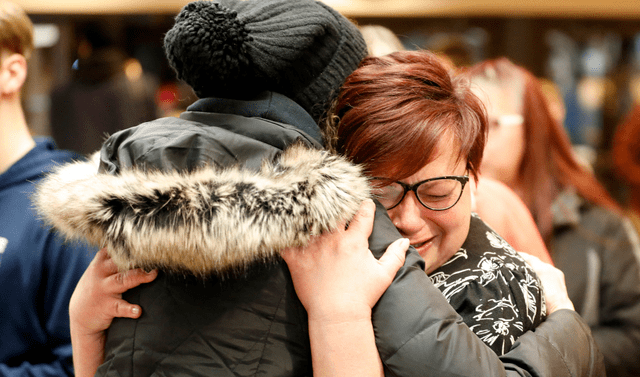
[417, 245]
[429, 252]
[423, 246]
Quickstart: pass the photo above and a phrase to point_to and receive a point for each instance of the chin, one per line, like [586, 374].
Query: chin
[431, 261]
[434, 259]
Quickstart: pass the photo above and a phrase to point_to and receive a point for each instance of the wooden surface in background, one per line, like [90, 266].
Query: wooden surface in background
[615, 9]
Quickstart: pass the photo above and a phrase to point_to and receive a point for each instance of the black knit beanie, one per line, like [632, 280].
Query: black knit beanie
[303, 49]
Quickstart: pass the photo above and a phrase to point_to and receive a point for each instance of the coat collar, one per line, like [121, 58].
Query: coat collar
[267, 105]
[211, 220]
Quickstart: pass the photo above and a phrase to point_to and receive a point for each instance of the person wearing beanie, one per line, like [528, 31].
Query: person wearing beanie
[239, 176]
[209, 199]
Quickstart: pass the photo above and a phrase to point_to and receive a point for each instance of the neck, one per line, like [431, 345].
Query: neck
[518, 188]
[15, 138]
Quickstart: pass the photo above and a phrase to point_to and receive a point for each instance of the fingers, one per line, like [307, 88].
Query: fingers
[331, 244]
[531, 259]
[131, 279]
[553, 283]
[103, 264]
[123, 309]
[542, 268]
[394, 257]
[363, 220]
[122, 282]
[119, 282]
[289, 255]
[101, 256]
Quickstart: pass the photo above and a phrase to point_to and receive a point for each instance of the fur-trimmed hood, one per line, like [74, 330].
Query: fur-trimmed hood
[211, 220]
[208, 192]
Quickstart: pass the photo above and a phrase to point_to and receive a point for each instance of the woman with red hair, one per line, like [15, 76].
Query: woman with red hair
[419, 134]
[589, 240]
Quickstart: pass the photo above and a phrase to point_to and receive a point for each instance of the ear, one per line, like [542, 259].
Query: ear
[13, 73]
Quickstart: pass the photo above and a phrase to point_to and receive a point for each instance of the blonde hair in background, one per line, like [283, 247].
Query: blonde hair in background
[16, 29]
[380, 40]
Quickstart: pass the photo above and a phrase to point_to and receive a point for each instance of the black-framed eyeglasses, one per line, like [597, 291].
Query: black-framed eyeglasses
[436, 194]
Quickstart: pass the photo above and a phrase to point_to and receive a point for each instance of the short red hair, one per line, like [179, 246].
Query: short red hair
[394, 110]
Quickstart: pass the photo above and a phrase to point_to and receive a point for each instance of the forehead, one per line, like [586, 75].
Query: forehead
[444, 161]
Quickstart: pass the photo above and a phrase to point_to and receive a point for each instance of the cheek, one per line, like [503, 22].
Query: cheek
[393, 214]
[455, 224]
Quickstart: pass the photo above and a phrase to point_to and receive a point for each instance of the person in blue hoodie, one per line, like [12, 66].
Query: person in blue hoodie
[38, 270]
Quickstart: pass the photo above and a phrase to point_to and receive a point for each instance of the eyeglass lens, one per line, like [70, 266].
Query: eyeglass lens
[438, 194]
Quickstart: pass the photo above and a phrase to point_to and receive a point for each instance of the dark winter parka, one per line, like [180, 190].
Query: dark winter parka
[599, 253]
[224, 303]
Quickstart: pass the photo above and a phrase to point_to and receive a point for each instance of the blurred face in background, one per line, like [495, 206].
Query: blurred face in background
[505, 145]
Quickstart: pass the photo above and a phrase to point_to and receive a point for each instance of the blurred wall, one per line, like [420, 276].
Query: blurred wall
[599, 41]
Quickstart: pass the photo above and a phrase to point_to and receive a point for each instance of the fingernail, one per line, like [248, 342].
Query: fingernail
[135, 310]
[371, 204]
[404, 243]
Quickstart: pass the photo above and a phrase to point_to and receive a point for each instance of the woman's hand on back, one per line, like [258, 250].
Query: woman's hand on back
[553, 283]
[338, 280]
[96, 300]
[337, 277]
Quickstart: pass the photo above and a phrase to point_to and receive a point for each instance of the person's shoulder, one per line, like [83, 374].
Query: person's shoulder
[483, 237]
[492, 253]
[484, 249]
[47, 152]
[594, 210]
[44, 158]
[613, 234]
[600, 220]
[488, 283]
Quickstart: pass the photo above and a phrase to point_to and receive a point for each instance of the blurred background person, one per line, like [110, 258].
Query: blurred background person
[38, 272]
[626, 160]
[380, 40]
[108, 92]
[583, 227]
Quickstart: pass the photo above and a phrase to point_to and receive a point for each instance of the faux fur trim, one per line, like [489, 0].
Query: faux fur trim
[208, 221]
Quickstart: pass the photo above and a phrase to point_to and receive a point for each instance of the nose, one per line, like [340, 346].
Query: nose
[407, 215]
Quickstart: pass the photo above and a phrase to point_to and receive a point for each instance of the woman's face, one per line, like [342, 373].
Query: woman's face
[505, 145]
[437, 235]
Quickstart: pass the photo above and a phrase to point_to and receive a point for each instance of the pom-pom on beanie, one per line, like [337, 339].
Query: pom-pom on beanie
[303, 49]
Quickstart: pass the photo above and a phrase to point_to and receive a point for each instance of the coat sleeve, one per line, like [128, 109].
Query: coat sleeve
[419, 334]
